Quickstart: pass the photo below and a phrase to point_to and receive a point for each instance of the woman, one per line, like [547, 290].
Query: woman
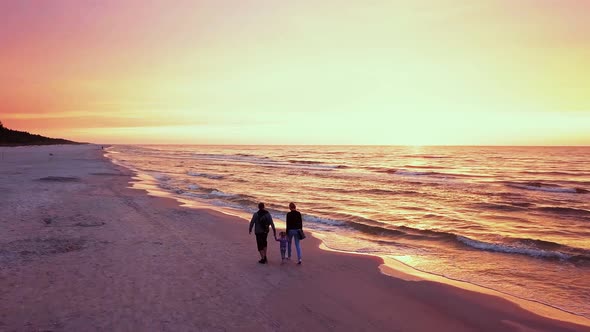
[294, 225]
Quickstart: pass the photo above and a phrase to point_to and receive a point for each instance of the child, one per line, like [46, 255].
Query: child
[283, 241]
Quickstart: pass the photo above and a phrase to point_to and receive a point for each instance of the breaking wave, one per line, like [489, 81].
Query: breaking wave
[205, 175]
[547, 187]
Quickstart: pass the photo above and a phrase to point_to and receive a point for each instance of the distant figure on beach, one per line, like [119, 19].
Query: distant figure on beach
[294, 227]
[261, 220]
[283, 245]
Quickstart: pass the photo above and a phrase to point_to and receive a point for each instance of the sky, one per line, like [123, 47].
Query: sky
[420, 72]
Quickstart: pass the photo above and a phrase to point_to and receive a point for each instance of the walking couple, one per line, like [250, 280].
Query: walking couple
[262, 220]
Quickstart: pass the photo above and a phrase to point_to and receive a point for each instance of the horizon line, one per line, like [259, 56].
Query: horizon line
[372, 145]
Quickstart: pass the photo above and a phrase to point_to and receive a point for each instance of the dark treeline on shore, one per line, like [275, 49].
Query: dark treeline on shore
[9, 137]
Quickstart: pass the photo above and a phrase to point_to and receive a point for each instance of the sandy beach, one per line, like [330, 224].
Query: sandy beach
[82, 251]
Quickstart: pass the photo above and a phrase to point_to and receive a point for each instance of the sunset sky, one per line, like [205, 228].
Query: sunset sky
[468, 72]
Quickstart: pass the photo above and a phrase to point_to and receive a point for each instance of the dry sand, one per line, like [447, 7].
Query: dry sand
[80, 251]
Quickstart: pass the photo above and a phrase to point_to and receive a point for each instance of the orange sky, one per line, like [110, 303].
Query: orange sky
[417, 72]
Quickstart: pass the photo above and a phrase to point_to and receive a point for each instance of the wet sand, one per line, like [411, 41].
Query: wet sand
[80, 250]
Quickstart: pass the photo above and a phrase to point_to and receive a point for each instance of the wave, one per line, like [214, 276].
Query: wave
[565, 210]
[161, 177]
[325, 221]
[218, 193]
[501, 207]
[414, 173]
[216, 196]
[425, 156]
[583, 260]
[171, 188]
[547, 187]
[405, 172]
[316, 163]
[205, 175]
[504, 248]
[424, 167]
[374, 191]
[386, 192]
[240, 157]
[268, 162]
[522, 204]
[427, 234]
[426, 174]
[541, 244]
[532, 248]
[305, 162]
[558, 173]
[427, 183]
[264, 161]
[506, 194]
[376, 228]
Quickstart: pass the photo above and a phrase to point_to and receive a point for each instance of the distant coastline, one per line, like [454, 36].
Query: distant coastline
[9, 137]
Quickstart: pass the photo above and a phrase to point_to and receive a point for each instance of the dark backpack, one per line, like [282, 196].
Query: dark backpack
[263, 220]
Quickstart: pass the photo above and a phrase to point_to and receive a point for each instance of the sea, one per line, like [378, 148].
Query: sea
[512, 219]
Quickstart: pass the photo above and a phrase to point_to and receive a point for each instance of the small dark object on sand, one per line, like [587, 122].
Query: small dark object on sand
[60, 179]
[95, 224]
[47, 220]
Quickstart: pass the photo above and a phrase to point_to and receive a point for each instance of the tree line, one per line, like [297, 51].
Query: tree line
[15, 137]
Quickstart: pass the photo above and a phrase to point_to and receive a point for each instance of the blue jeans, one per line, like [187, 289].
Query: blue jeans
[293, 233]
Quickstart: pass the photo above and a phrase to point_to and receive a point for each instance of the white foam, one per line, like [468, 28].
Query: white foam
[161, 177]
[205, 175]
[221, 194]
[325, 221]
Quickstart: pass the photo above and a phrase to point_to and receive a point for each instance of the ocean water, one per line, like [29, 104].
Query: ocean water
[513, 219]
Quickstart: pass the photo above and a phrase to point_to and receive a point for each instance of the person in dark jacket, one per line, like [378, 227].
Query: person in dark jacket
[261, 220]
[294, 225]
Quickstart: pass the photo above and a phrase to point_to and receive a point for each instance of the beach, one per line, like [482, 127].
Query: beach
[82, 250]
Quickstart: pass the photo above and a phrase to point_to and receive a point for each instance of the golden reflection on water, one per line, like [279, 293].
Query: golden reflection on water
[408, 260]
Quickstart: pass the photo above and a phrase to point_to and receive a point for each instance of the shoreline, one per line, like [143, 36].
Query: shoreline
[83, 250]
[390, 267]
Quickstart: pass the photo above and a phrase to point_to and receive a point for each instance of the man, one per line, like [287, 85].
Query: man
[260, 221]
